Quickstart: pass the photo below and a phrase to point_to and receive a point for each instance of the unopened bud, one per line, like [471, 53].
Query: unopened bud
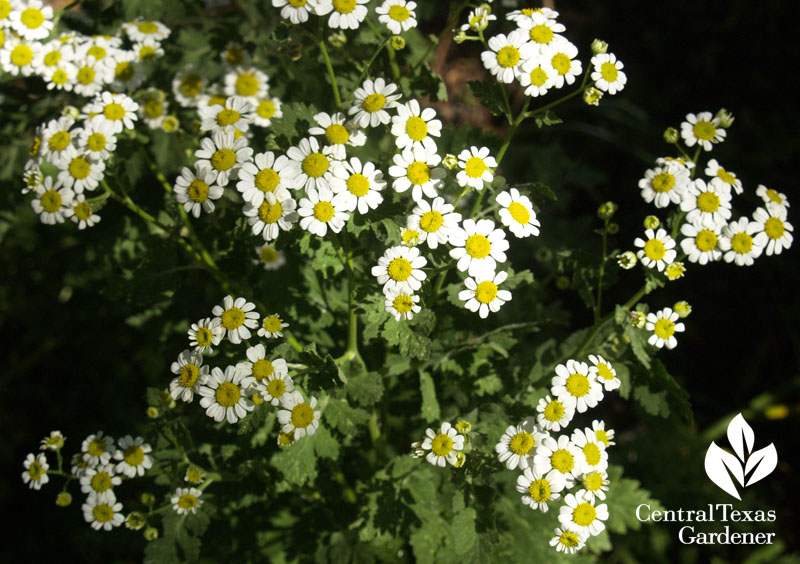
[675, 270]
[397, 43]
[613, 228]
[562, 283]
[606, 210]
[152, 412]
[450, 162]
[671, 135]
[599, 47]
[651, 222]
[592, 96]
[638, 319]
[63, 499]
[150, 533]
[170, 124]
[626, 260]
[135, 520]
[725, 118]
[460, 37]
[464, 427]
[682, 308]
[148, 499]
[338, 39]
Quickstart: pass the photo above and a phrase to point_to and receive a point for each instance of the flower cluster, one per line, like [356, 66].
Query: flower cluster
[397, 15]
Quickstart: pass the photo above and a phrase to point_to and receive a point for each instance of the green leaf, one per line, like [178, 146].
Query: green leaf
[490, 94]
[463, 530]
[322, 370]
[549, 118]
[488, 385]
[638, 344]
[297, 462]
[365, 389]
[654, 403]
[293, 112]
[536, 191]
[430, 405]
[344, 418]
[623, 497]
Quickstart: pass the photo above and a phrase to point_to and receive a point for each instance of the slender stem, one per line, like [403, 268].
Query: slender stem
[346, 256]
[599, 300]
[555, 103]
[392, 57]
[523, 114]
[363, 74]
[447, 28]
[331, 74]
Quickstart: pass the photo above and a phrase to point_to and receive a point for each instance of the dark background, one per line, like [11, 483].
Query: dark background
[71, 362]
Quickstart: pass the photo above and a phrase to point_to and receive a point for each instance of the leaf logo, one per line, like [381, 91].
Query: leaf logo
[748, 468]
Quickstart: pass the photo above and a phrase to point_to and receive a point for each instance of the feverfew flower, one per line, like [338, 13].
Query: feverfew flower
[272, 327]
[595, 485]
[417, 169]
[79, 171]
[119, 110]
[657, 251]
[397, 15]
[223, 154]
[554, 414]
[186, 500]
[561, 56]
[358, 186]
[337, 134]
[80, 211]
[344, 14]
[542, 30]
[663, 325]
[539, 490]
[187, 87]
[482, 293]
[100, 481]
[52, 201]
[715, 170]
[665, 184]
[402, 303]
[478, 20]
[371, 100]
[702, 129]
[32, 20]
[594, 451]
[269, 257]
[296, 11]
[267, 109]
[189, 371]
[196, 191]
[516, 213]
[775, 200]
[276, 213]
[537, 76]
[413, 127]
[444, 446]
[777, 234]
[247, 82]
[276, 384]
[206, 334]
[298, 415]
[701, 244]
[133, 455]
[140, 30]
[561, 455]
[506, 55]
[237, 318]
[226, 395]
[603, 435]
[310, 167]
[579, 512]
[266, 173]
[323, 210]
[476, 167]
[707, 204]
[235, 114]
[739, 244]
[575, 385]
[97, 139]
[569, 539]
[35, 474]
[54, 441]
[102, 512]
[99, 449]
[400, 268]
[607, 73]
[478, 246]
[605, 374]
[433, 222]
[517, 445]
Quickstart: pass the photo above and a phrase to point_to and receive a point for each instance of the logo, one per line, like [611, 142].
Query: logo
[747, 467]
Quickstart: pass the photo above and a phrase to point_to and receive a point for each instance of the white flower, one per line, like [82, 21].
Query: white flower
[478, 246]
[54, 441]
[604, 436]
[444, 446]
[775, 200]
[561, 56]
[400, 268]
[594, 451]
[417, 168]
[323, 210]
[267, 109]
[56, 137]
[371, 100]
[607, 73]
[540, 489]
[52, 201]
[433, 222]
[247, 82]
[119, 110]
[402, 303]
[128, 74]
[517, 445]
[269, 257]
[569, 539]
[358, 187]
[595, 485]
[18, 57]
[196, 191]
[702, 129]
[276, 213]
[225, 395]
[187, 87]
[665, 184]
[97, 139]
[506, 55]
[310, 167]
[99, 449]
[265, 174]
[714, 170]
[553, 414]
[235, 114]
[657, 251]
[542, 30]
[206, 334]
[35, 474]
[701, 244]
[537, 76]
[298, 415]
[61, 76]
[516, 213]
[91, 76]
[475, 165]
[100, 481]
[133, 456]
[397, 15]
[345, 14]
[272, 377]
[139, 30]
[482, 293]
[579, 512]
[296, 11]
[413, 127]
[561, 455]
[79, 171]
[81, 212]
[186, 500]
[189, 370]
[237, 318]
[32, 20]
[777, 234]
[707, 204]
[575, 385]
[147, 50]
[337, 133]
[605, 374]
[102, 512]
[223, 154]
[663, 325]
[478, 20]
[739, 244]
[272, 327]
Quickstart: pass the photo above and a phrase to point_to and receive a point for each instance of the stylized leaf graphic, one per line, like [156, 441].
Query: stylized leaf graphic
[740, 434]
[718, 462]
[764, 461]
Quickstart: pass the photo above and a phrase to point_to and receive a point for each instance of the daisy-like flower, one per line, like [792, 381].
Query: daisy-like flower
[80, 211]
[194, 475]
[538, 489]
[147, 50]
[675, 270]
[272, 327]
[310, 167]
[140, 30]
[444, 446]
[561, 455]
[397, 15]
[186, 500]
[777, 234]
[266, 110]
[595, 485]
[54, 441]
[269, 257]
[715, 170]
[433, 222]
[298, 415]
[323, 210]
[664, 325]
[223, 154]
[594, 451]
[417, 169]
[56, 137]
[775, 200]
[607, 73]
[60, 76]
[234, 54]
[575, 385]
[100, 481]
[359, 187]
[79, 171]
[665, 184]
[189, 371]
[99, 449]
[605, 374]
[554, 414]
[226, 395]
[478, 20]
[128, 74]
[187, 87]
[371, 100]
[35, 474]
[483, 294]
[97, 139]
[206, 334]
[32, 20]
[260, 367]
[517, 445]
[414, 127]
[18, 57]
[154, 109]
[52, 201]
[410, 236]
[579, 512]
[276, 384]
[344, 14]
[402, 303]
[91, 76]
[605, 436]
[739, 243]
[32, 178]
[296, 11]
[701, 244]
[79, 464]
[569, 540]
[337, 134]
[657, 251]
[516, 213]
[537, 76]
[248, 82]
[102, 512]
[707, 204]
[119, 110]
[506, 55]
[475, 165]
[237, 318]
[400, 268]
[478, 246]
[275, 214]
[196, 191]
[542, 30]
[236, 114]
[702, 129]
[561, 56]
[133, 455]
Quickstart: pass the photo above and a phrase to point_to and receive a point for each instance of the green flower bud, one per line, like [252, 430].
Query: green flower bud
[397, 43]
[461, 459]
[135, 520]
[613, 228]
[651, 222]
[450, 162]
[151, 533]
[725, 118]
[338, 39]
[152, 412]
[148, 499]
[592, 96]
[682, 308]
[170, 124]
[606, 210]
[464, 427]
[599, 47]
[671, 135]
[460, 37]
[63, 499]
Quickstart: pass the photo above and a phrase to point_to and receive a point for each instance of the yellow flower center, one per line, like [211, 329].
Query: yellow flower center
[344, 6]
[655, 249]
[265, 109]
[704, 130]
[191, 84]
[96, 51]
[399, 13]
[609, 72]
[593, 481]
[298, 3]
[223, 159]
[337, 134]
[96, 141]
[570, 540]
[508, 56]
[663, 182]
[234, 56]
[774, 228]
[519, 213]
[442, 444]
[708, 202]
[216, 100]
[478, 246]
[486, 292]
[431, 221]
[102, 513]
[418, 173]
[538, 76]
[79, 168]
[315, 165]
[35, 470]
[302, 415]
[5, 9]
[97, 447]
[187, 501]
[267, 180]
[188, 375]
[604, 371]
[262, 368]
[475, 167]
[521, 443]
[539, 490]
[228, 394]
[272, 324]
[114, 111]
[592, 453]
[124, 71]
[148, 27]
[32, 18]
[374, 102]
[399, 269]
[133, 455]
[675, 270]
[358, 185]
[416, 128]
[51, 201]
[742, 243]
[247, 84]
[403, 303]
[59, 141]
[233, 318]
[584, 514]
[270, 213]
[774, 196]
[153, 108]
[227, 117]
[59, 77]
[86, 75]
[562, 460]
[194, 475]
[83, 211]
[561, 62]
[725, 176]
[664, 329]
[268, 255]
[705, 240]
[203, 337]
[554, 411]
[323, 211]
[101, 482]
[276, 388]
[577, 385]
[602, 436]
[21, 55]
[52, 58]
[34, 150]
[541, 34]
[198, 191]
[410, 236]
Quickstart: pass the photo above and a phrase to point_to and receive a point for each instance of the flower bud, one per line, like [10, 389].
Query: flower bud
[637, 319]
[599, 47]
[613, 228]
[592, 96]
[397, 43]
[63, 499]
[461, 458]
[135, 520]
[626, 260]
[606, 210]
[675, 270]
[148, 499]
[562, 283]
[338, 39]
[170, 124]
[70, 112]
[460, 37]
[464, 427]
[725, 118]
[682, 308]
[450, 162]
[152, 412]
[651, 222]
[671, 135]
[151, 533]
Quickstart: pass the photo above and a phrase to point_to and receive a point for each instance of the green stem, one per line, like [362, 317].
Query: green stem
[599, 300]
[447, 28]
[555, 103]
[363, 74]
[523, 114]
[392, 57]
[346, 256]
[329, 66]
